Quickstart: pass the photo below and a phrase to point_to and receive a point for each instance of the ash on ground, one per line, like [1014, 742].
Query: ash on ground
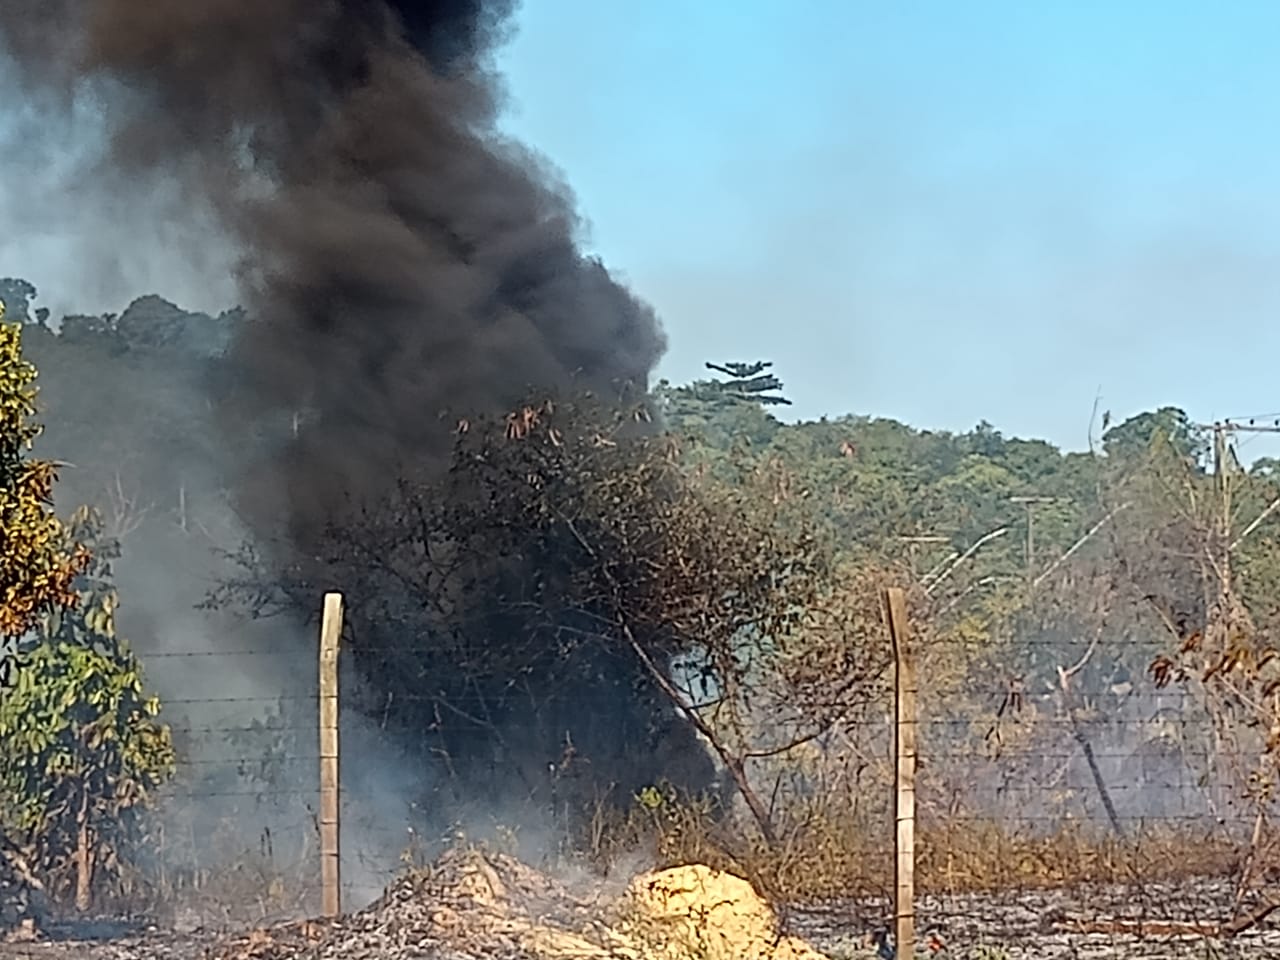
[477, 905]
[1150, 921]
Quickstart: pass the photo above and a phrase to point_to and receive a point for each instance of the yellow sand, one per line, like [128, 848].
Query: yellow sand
[696, 912]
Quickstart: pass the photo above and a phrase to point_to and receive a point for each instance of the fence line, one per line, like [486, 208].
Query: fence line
[1007, 803]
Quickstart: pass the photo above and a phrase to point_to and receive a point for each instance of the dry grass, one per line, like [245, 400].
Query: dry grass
[975, 856]
[830, 847]
[826, 852]
[250, 888]
[242, 889]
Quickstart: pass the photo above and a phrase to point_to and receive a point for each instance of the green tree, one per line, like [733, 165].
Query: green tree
[77, 745]
[81, 749]
[1134, 438]
[37, 564]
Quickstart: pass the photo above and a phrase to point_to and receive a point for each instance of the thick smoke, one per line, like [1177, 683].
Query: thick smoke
[400, 260]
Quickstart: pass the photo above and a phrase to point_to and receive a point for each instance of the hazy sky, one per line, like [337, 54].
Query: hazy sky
[941, 212]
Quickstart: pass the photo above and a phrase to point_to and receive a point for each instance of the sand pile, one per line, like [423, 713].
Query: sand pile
[473, 905]
[695, 911]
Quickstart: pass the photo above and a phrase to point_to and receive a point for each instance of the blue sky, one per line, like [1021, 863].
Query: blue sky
[942, 212]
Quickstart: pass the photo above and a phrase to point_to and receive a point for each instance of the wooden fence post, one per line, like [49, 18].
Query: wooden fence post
[904, 798]
[330, 876]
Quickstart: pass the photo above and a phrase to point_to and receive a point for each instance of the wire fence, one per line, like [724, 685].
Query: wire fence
[1100, 809]
[1076, 810]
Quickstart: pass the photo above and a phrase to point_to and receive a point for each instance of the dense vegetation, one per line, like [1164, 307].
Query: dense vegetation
[570, 552]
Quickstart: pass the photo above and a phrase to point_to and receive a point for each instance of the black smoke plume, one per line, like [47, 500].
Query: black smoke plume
[401, 262]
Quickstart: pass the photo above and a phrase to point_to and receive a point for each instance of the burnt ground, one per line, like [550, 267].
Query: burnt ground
[1154, 922]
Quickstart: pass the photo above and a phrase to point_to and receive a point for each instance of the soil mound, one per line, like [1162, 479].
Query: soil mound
[475, 905]
[694, 911]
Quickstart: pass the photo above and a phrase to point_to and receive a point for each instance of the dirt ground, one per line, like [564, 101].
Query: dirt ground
[482, 907]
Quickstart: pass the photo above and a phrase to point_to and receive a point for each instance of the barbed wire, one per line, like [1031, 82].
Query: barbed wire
[300, 649]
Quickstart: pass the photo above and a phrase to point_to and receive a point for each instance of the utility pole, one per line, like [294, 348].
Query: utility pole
[1220, 448]
[1031, 503]
[1223, 431]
